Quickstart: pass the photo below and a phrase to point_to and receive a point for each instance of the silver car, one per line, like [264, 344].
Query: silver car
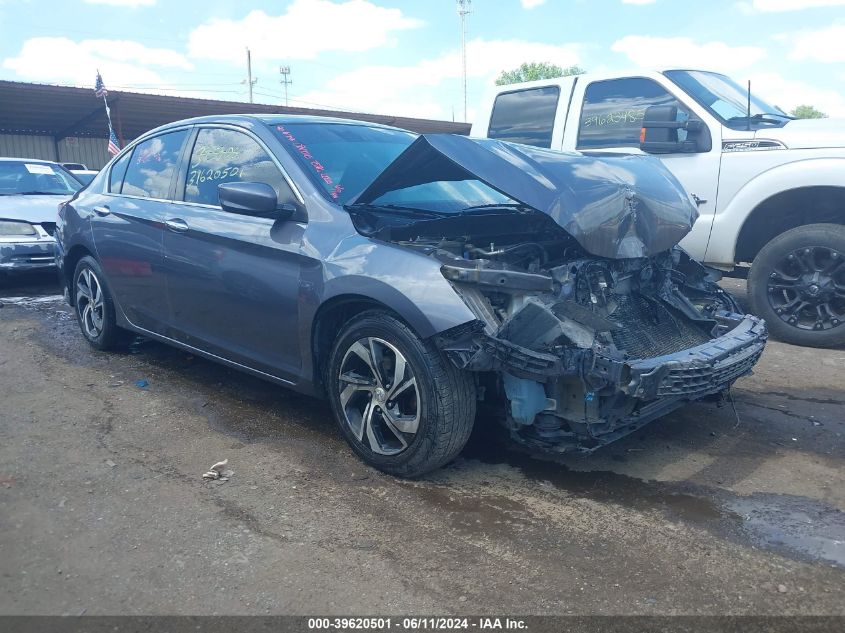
[30, 192]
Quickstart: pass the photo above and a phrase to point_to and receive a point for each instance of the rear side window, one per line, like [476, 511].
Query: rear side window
[118, 171]
[152, 166]
[220, 156]
[613, 111]
[525, 116]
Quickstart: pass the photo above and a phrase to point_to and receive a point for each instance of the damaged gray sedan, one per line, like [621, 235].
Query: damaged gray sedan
[410, 279]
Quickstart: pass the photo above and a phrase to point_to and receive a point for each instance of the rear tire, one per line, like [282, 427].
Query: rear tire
[797, 284]
[402, 406]
[94, 306]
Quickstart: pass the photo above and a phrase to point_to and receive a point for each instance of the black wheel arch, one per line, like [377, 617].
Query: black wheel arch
[788, 210]
[71, 259]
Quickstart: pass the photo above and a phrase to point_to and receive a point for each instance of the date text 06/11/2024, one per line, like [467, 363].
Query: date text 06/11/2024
[416, 624]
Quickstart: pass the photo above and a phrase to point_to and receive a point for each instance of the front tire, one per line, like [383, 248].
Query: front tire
[95, 306]
[797, 284]
[402, 406]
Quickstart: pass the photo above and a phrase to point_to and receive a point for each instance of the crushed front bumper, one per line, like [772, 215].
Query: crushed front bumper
[27, 253]
[695, 372]
[583, 398]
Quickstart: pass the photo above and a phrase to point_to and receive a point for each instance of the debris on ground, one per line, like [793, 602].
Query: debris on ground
[142, 384]
[219, 471]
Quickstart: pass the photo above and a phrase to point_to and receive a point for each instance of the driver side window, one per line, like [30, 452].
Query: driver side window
[221, 156]
[613, 111]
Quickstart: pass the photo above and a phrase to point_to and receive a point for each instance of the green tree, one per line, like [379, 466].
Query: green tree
[536, 70]
[807, 112]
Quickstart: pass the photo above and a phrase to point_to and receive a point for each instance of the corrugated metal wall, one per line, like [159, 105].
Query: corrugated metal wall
[26, 146]
[93, 152]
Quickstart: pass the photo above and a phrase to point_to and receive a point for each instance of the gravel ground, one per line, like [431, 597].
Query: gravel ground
[104, 511]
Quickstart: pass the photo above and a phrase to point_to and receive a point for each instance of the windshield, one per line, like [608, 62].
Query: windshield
[446, 196]
[25, 178]
[345, 159]
[341, 158]
[727, 100]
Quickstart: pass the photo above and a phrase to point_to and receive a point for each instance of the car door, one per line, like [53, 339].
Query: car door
[233, 280]
[611, 118]
[127, 226]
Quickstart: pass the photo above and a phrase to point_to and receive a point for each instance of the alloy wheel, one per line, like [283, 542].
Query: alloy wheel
[806, 289]
[89, 303]
[379, 396]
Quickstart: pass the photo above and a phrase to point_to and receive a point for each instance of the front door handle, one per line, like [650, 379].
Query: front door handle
[177, 225]
[102, 210]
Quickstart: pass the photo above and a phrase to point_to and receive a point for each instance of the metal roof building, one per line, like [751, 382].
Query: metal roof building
[69, 124]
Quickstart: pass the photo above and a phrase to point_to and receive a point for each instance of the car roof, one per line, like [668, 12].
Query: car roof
[269, 119]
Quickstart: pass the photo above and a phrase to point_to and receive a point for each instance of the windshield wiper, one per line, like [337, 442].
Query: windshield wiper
[480, 209]
[395, 209]
[44, 193]
[780, 114]
[758, 118]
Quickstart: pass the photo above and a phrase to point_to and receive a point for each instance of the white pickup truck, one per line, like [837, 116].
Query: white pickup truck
[770, 189]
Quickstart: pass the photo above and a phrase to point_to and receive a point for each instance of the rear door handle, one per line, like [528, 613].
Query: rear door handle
[102, 210]
[178, 225]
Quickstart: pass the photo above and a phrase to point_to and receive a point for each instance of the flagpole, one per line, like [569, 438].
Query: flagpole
[106, 103]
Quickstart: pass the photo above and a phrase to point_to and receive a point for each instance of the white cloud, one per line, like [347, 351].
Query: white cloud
[61, 60]
[658, 52]
[778, 6]
[308, 28]
[418, 90]
[124, 3]
[823, 45]
[532, 4]
[788, 93]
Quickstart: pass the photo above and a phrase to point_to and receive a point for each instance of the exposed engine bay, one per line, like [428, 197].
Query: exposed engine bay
[581, 349]
[590, 320]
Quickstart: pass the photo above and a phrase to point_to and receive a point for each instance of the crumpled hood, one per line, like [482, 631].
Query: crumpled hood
[614, 205]
[33, 209]
[807, 133]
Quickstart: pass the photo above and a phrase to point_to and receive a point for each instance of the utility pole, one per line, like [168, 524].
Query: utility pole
[464, 9]
[249, 80]
[284, 71]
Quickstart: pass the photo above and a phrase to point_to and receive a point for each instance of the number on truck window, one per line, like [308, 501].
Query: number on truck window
[613, 111]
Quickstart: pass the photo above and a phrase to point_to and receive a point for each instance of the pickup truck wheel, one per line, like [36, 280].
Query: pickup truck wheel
[797, 284]
[402, 406]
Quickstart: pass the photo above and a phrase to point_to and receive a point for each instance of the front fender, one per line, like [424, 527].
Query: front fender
[807, 172]
[407, 282]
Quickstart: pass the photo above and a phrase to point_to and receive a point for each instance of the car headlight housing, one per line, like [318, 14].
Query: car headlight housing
[9, 227]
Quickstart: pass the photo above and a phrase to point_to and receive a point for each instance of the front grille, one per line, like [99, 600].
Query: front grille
[693, 380]
[50, 227]
[649, 329]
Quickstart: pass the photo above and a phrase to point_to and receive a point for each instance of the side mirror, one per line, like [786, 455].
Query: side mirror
[660, 133]
[256, 199]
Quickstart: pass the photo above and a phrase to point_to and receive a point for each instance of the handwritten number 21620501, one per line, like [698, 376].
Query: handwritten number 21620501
[196, 176]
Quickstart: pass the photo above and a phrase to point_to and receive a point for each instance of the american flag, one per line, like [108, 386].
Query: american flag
[100, 87]
[114, 143]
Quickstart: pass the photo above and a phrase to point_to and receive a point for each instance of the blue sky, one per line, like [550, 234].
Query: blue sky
[403, 57]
